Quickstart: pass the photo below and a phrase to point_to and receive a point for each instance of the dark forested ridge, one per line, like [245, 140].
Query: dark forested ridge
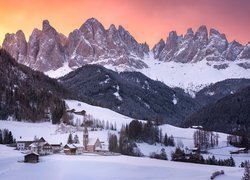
[129, 93]
[230, 114]
[214, 92]
[26, 94]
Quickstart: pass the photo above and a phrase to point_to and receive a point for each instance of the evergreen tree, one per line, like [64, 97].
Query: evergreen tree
[246, 175]
[5, 136]
[11, 140]
[1, 137]
[113, 143]
[70, 139]
[165, 140]
[76, 139]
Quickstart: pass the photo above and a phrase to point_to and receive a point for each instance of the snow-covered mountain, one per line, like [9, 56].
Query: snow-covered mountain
[189, 61]
[91, 43]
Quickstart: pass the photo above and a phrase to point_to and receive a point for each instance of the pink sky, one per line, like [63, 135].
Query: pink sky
[146, 20]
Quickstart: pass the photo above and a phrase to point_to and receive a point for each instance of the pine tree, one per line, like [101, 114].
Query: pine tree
[165, 140]
[113, 143]
[70, 140]
[11, 140]
[76, 139]
[1, 137]
[246, 175]
[5, 136]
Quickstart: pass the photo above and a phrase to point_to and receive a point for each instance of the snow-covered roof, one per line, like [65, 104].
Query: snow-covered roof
[71, 146]
[25, 139]
[78, 145]
[92, 141]
[32, 153]
[33, 145]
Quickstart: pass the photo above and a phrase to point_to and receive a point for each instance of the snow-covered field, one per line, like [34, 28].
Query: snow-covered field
[104, 167]
[89, 166]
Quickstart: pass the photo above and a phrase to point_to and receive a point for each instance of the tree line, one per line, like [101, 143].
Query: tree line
[6, 137]
[137, 132]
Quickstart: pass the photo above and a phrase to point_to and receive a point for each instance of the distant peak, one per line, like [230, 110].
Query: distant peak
[90, 23]
[214, 32]
[202, 28]
[112, 27]
[47, 26]
[190, 33]
[121, 28]
[92, 20]
[172, 34]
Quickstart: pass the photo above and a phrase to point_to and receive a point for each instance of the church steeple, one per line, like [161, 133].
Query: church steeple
[85, 138]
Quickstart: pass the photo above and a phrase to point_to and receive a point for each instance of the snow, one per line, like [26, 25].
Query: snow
[190, 76]
[89, 166]
[175, 100]
[65, 69]
[100, 113]
[117, 95]
[92, 166]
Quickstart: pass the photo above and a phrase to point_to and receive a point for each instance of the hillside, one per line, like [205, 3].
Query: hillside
[214, 92]
[27, 94]
[129, 93]
[230, 114]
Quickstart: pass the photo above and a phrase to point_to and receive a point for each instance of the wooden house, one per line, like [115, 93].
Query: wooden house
[23, 144]
[73, 149]
[41, 147]
[31, 158]
[56, 147]
[69, 149]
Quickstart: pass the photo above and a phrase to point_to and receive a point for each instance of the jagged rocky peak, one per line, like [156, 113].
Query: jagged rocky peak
[112, 28]
[233, 50]
[245, 54]
[92, 43]
[198, 46]
[93, 30]
[158, 48]
[45, 51]
[217, 44]
[16, 45]
[201, 36]
[189, 34]
[172, 40]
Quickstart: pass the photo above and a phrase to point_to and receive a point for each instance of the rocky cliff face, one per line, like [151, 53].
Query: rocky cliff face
[91, 43]
[201, 45]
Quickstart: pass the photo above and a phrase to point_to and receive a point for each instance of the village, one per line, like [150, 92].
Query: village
[40, 147]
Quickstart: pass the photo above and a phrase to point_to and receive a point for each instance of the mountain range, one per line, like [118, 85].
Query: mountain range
[48, 50]
[130, 78]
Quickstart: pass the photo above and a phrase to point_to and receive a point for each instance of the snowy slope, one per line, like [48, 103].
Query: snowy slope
[191, 77]
[105, 167]
[90, 166]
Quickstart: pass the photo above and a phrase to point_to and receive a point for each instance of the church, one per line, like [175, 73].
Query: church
[91, 144]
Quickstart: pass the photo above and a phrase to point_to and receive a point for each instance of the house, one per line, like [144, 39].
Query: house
[239, 150]
[41, 147]
[73, 149]
[79, 148]
[31, 158]
[23, 144]
[69, 149]
[94, 145]
[56, 147]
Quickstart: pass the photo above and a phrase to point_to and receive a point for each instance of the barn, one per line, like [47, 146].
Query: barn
[31, 158]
